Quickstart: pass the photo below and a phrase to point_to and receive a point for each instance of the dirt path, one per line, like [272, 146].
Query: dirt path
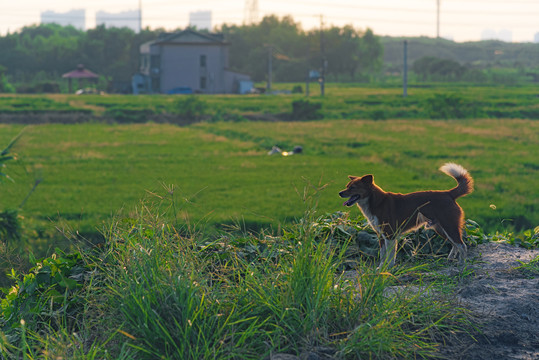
[504, 301]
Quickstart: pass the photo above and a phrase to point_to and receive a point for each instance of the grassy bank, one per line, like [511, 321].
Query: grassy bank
[154, 290]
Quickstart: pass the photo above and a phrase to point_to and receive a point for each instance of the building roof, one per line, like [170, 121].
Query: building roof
[187, 37]
[80, 73]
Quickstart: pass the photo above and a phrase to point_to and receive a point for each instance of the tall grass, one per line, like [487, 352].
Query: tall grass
[156, 289]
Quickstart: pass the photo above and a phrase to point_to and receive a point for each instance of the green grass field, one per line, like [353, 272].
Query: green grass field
[221, 173]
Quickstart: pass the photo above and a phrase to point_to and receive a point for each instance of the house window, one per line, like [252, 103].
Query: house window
[202, 61]
[202, 82]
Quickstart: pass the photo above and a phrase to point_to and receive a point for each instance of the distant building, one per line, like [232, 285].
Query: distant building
[187, 61]
[129, 19]
[201, 20]
[505, 35]
[502, 35]
[75, 18]
[536, 38]
[488, 34]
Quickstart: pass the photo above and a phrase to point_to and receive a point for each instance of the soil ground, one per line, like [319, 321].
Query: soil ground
[503, 301]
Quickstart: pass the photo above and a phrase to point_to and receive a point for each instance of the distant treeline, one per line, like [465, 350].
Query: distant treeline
[43, 53]
[34, 58]
[489, 61]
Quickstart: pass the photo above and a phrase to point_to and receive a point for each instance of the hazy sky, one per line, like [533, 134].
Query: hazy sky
[460, 20]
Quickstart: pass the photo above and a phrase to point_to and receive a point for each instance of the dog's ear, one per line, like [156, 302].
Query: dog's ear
[352, 177]
[368, 179]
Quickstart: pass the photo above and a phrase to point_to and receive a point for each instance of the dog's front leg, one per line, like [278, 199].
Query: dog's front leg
[388, 249]
[383, 247]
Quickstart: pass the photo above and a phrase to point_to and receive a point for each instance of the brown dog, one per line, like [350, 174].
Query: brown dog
[391, 214]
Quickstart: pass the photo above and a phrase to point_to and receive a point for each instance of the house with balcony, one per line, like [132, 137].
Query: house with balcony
[187, 62]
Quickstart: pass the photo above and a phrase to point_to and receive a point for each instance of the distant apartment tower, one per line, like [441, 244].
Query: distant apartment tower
[505, 35]
[75, 18]
[129, 19]
[502, 35]
[200, 19]
[536, 38]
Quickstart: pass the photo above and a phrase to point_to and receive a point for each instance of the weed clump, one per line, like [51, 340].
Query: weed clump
[191, 107]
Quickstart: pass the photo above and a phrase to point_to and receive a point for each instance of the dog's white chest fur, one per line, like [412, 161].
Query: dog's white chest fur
[363, 205]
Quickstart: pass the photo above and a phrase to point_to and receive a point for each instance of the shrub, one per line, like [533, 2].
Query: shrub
[306, 110]
[9, 220]
[191, 107]
[5, 85]
[298, 89]
[50, 293]
[10, 228]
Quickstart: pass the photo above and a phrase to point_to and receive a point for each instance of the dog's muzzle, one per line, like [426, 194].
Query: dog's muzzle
[353, 199]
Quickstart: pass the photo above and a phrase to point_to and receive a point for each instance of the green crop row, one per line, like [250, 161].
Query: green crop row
[440, 102]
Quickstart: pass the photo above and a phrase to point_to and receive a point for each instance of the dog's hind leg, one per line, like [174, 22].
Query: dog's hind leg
[455, 238]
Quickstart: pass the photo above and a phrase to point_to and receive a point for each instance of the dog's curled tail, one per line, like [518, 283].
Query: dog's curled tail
[464, 179]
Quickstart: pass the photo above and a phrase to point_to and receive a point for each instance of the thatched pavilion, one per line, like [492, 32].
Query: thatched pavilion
[80, 73]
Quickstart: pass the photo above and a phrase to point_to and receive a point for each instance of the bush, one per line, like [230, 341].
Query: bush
[298, 89]
[5, 86]
[10, 228]
[305, 110]
[49, 291]
[191, 107]
[46, 87]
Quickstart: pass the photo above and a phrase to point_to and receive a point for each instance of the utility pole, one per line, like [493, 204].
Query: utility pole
[323, 56]
[270, 57]
[438, 19]
[140, 16]
[405, 70]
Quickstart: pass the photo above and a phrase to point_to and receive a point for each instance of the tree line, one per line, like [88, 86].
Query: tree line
[42, 53]
[34, 58]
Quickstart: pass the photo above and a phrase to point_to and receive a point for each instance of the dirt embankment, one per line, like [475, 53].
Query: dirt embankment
[504, 301]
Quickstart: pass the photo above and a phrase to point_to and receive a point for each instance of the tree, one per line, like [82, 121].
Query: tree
[295, 52]
[435, 69]
[50, 50]
[5, 86]
[370, 54]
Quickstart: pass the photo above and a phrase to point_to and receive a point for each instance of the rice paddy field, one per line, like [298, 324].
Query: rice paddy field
[219, 172]
[208, 247]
